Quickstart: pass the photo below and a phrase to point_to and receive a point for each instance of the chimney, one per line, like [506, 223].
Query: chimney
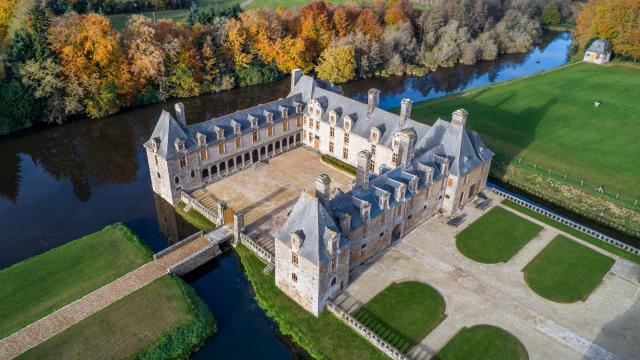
[345, 224]
[383, 200]
[332, 241]
[405, 110]
[444, 167]
[182, 120]
[323, 184]
[373, 100]
[362, 169]
[399, 195]
[296, 74]
[429, 175]
[459, 118]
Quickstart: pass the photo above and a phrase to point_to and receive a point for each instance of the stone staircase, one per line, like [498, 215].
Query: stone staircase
[268, 269]
[205, 198]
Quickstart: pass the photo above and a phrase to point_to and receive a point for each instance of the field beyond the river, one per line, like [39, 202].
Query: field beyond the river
[551, 120]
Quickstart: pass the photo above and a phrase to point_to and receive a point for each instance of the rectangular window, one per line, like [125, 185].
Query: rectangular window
[270, 130]
[373, 149]
[294, 277]
[318, 125]
[221, 149]
[238, 143]
[255, 136]
[310, 123]
[394, 158]
[333, 263]
[183, 161]
[203, 154]
[332, 132]
[156, 159]
[331, 147]
[345, 153]
[372, 166]
[374, 136]
[346, 138]
[310, 137]
[450, 182]
[364, 229]
[294, 259]
[305, 120]
[298, 121]
[285, 126]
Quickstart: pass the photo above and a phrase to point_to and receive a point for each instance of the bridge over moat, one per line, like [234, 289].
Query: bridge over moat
[178, 259]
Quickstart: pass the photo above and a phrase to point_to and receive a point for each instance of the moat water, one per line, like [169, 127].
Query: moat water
[60, 183]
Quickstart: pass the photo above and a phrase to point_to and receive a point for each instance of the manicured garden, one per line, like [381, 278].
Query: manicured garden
[496, 237]
[42, 284]
[571, 231]
[194, 218]
[325, 337]
[540, 117]
[403, 313]
[339, 164]
[483, 342]
[163, 320]
[566, 271]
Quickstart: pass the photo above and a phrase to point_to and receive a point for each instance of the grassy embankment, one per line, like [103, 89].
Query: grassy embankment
[194, 218]
[42, 284]
[485, 240]
[338, 164]
[403, 313]
[324, 337]
[483, 342]
[163, 320]
[566, 271]
[571, 231]
[549, 121]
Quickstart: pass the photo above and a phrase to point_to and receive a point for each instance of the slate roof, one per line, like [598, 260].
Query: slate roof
[311, 220]
[600, 46]
[166, 132]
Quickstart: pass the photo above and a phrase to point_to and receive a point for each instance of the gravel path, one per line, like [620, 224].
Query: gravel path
[34, 334]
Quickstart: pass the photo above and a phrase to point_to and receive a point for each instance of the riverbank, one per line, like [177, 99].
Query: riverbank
[529, 122]
[324, 337]
[42, 284]
[163, 320]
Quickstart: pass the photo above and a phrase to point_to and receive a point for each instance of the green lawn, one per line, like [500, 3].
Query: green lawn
[496, 237]
[483, 342]
[325, 337]
[195, 218]
[164, 319]
[569, 230]
[566, 271]
[403, 313]
[42, 284]
[549, 119]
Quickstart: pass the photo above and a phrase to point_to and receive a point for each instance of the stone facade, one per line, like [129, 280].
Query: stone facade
[599, 52]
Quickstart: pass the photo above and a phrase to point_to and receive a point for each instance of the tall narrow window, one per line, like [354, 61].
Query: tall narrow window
[183, 162]
[238, 143]
[372, 165]
[310, 137]
[346, 138]
[298, 121]
[203, 154]
[294, 259]
[270, 130]
[373, 150]
[220, 148]
[331, 147]
[255, 136]
[318, 125]
[332, 132]
[345, 153]
[285, 125]
[156, 159]
[333, 263]
[294, 277]
[394, 158]
[450, 182]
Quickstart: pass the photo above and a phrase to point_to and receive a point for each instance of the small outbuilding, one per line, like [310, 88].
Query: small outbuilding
[599, 52]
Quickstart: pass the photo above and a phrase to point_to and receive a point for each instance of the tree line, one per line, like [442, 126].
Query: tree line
[74, 64]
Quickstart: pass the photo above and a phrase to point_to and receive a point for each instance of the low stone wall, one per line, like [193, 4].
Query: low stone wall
[195, 260]
[561, 219]
[191, 202]
[263, 254]
[374, 339]
[177, 245]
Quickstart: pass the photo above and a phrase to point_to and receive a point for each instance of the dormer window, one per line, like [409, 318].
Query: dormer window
[154, 145]
[466, 158]
[254, 121]
[236, 129]
[180, 144]
[347, 124]
[219, 133]
[375, 135]
[298, 108]
[284, 112]
[332, 118]
[269, 116]
[202, 139]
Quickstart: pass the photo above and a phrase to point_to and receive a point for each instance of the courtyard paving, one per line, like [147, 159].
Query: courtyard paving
[605, 326]
[266, 193]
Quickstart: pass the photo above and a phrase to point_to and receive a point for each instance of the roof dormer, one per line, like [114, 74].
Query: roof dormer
[297, 240]
[237, 129]
[202, 139]
[253, 120]
[155, 142]
[284, 111]
[298, 107]
[333, 117]
[269, 116]
[219, 132]
[375, 135]
[348, 123]
[179, 144]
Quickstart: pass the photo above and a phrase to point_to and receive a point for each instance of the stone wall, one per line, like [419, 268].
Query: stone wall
[305, 289]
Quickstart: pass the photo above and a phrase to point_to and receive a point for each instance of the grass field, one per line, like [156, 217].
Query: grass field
[165, 313]
[403, 313]
[325, 337]
[483, 342]
[195, 218]
[550, 120]
[569, 230]
[42, 284]
[565, 271]
[486, 240]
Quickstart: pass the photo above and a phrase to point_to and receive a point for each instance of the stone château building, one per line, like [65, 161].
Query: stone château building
[407, 172]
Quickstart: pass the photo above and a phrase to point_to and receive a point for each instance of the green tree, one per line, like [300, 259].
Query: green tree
[182, 83]
[337, 64]
[104, 102]
[550, 15]
[20, 108]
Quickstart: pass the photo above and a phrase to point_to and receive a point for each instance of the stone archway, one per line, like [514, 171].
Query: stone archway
[298, 138]
[270, 149]
[254, 155]
[247, 158]
[396, 233]
[239, 161]
[230, 164]
[263, 151]
[205, 173]
[214, 170]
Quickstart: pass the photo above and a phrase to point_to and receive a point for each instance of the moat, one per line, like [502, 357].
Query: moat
[60, 183]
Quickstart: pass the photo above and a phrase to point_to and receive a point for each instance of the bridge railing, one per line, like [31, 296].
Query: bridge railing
[261, 252]
[212, 216]
[565, 221]
[372, 337]
[177, 245]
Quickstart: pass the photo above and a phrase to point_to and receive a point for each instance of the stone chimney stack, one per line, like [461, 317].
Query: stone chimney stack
[362, 169]
[296, 74]
[180, 115]
[345, 223]
[459, 118]
[323, 185]
[373, 100]
[405, 110]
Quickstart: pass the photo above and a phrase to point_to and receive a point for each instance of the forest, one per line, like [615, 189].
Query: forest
[72, 63]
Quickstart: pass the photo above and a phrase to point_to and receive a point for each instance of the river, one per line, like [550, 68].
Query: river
[60, 183]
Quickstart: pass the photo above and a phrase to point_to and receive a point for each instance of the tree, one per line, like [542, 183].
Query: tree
[104, 102]
[516, 32]
[369, 24]
[315, 27]
[343, 20]
[337, 64]
[182, 83]
[237, 44]
[550, 15]
[20, 108]
[47, 83]
[209, 65]
[397, 12]
[144, 51]
[291, 53]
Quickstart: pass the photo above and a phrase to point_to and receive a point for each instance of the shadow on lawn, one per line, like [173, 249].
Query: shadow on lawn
[393, 336]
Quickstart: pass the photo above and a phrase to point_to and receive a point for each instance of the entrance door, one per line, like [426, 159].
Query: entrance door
[395, 234]
[228, 216]
[316, 143]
